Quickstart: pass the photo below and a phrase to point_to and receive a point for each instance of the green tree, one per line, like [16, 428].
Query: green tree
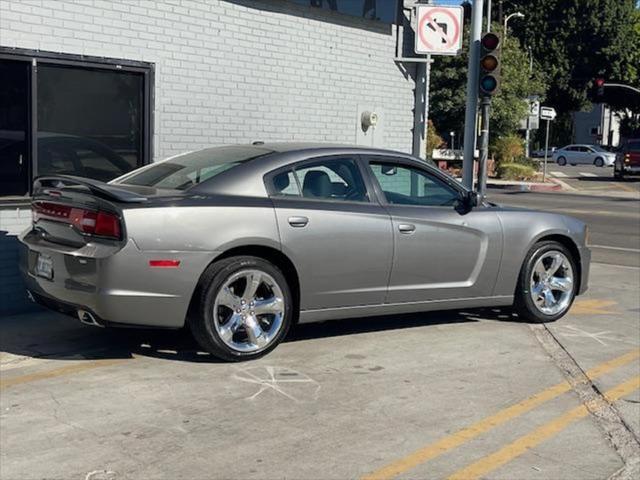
[574, 42]
[448, 89]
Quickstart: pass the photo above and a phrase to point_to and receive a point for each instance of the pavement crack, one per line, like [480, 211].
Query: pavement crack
[615, 429]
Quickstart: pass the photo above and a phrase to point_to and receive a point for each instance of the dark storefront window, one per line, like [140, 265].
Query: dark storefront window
[89, 122]
[382, 10]
[14, 124]
[77, 117]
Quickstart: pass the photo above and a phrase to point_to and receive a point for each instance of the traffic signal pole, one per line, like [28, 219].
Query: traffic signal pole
[484, 146]
[472, 94]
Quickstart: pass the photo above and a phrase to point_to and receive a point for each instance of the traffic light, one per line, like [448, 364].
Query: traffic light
[489, 64]
[599, 87]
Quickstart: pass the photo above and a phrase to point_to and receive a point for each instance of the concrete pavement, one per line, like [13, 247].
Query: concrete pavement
[338, 400]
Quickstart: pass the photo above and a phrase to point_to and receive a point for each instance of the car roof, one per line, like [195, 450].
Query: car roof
[319, 147]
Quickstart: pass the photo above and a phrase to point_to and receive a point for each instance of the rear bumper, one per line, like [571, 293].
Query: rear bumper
[118, 288]
[585, 268]
[630, 170]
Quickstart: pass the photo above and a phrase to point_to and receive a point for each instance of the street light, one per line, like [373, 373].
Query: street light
[516, 14]
[453, 144]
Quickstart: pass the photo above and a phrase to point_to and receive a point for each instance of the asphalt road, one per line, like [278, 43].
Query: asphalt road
[614, 222]
[589, 178]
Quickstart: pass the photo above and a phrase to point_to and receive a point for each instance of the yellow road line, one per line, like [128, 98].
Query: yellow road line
[592, 307]
[626, 187]
[540, 434]
[462, 436]
[58, 372]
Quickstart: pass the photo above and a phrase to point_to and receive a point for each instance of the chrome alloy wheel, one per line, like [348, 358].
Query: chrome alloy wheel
[551, 283]
[248, 310]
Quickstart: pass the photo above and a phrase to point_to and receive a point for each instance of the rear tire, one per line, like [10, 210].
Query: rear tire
[226, 322]
[599, 162]
[554, 294]
[562, 161]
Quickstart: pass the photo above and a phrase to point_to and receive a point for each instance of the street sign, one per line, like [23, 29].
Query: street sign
[438, 30]
[534, 108]
[547, 113]
[531, 121]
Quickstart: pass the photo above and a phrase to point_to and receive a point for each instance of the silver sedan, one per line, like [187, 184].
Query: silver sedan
[584, 155]
[239, 243]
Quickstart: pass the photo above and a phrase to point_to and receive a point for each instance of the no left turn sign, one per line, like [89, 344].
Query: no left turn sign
[438, 30]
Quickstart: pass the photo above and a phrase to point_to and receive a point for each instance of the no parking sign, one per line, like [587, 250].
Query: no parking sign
[438, 30]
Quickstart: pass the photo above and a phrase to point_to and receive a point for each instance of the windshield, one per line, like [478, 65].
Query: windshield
[185, 171]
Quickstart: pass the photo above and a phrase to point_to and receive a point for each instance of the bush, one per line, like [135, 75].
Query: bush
[516, 171]
[508, 149]
[434, 140]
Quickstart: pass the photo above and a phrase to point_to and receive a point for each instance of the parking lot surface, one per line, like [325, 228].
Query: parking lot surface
[462, 395]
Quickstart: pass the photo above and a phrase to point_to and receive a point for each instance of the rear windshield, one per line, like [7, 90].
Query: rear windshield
[634, 146]
[189, 169]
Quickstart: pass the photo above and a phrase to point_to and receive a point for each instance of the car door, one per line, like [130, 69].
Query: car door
[339, 238]
[583, 155]
[439, 252]
[569, 153]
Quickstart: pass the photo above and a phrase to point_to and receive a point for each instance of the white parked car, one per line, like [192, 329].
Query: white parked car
[584, 154]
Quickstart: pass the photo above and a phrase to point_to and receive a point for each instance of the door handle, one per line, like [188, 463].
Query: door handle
[298, 221]
[406, 228]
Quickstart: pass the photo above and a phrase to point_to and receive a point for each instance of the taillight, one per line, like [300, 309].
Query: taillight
[107, 225]
[89, 222]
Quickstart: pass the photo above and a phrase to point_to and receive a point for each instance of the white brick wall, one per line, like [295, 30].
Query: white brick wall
[225, 72]
[233, 71]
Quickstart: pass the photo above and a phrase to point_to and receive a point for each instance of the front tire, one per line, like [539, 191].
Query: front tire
[244, 310]
[562, 161]
[547, 283]
[599, 162]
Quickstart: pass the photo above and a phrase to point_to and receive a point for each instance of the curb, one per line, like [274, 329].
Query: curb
[529, 187]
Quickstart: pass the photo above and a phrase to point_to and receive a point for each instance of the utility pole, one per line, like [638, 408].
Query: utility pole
[472, 94]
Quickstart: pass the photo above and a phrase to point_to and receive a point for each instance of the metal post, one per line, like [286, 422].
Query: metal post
[484, 146]
[488, 15]
[421, 102]
[427, 86]
[527, 139]
[472, 94]
[546, 147]
[419, 129]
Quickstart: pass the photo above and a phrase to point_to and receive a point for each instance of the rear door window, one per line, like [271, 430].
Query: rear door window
[634, 146]
[333, 178]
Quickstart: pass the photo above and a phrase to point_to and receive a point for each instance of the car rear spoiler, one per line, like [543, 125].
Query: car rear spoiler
[50, 183]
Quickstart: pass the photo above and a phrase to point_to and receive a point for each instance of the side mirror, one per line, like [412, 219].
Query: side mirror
[468, 200]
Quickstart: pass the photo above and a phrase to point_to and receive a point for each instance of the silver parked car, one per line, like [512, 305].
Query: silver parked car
[241, 242]
[584, 154]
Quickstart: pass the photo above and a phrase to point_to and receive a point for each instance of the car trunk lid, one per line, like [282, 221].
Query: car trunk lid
[75, 211]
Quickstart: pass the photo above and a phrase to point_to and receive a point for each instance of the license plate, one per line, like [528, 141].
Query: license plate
[44, 266]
